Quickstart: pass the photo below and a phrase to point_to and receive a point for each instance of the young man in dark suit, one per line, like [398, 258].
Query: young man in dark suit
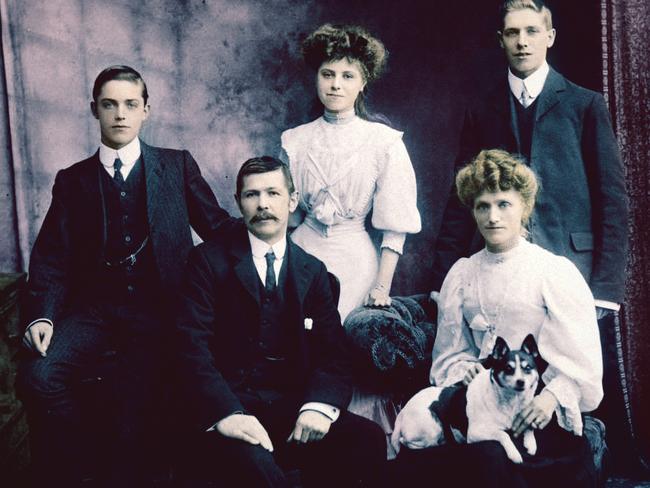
[565, 133]
[263, 354]
[103, 274]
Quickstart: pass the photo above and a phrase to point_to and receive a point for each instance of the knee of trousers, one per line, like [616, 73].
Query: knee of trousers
[364, 438]
[251, 465]
[40, 380]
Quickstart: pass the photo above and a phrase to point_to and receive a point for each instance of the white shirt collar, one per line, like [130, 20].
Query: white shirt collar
[259, 248]
[128, 154]
[534, 83]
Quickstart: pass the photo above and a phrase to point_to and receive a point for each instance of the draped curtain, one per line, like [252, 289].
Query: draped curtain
[626, 82]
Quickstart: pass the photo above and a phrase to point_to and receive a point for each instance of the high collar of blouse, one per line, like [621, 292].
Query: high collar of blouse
[502, 257]
[340, 118]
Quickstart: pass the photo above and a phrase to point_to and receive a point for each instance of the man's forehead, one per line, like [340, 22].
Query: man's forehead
[122, 89]
[523, 18]
[263, 181]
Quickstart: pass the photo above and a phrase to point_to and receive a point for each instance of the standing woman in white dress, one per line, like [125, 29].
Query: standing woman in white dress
[345, 166]
[510, 289]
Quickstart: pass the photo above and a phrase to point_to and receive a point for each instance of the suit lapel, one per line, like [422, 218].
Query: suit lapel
[244, 266]
[298, 275]
[93, 199]
[500, 102]
[153, 173]
[549, 97]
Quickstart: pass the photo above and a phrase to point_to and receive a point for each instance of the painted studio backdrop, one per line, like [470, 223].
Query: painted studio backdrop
[225, 77]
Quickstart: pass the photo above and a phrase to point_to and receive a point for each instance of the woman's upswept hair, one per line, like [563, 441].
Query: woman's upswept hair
[333, 42]
[495, 170]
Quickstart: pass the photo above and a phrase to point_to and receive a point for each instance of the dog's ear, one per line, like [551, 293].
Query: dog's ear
[529, 346]
[500, 350]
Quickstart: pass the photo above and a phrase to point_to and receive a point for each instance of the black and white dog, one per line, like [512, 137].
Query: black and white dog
[497, 394]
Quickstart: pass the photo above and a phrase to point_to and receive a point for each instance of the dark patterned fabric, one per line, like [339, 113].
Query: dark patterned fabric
[392, 346]
[626, 82]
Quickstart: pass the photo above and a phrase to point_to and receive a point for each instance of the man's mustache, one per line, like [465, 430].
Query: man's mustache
[263, 216]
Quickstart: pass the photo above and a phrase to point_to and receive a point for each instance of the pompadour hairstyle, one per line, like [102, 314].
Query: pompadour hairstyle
[495, 170]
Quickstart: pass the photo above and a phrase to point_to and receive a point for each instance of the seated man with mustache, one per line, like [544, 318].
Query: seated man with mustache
[263, 356]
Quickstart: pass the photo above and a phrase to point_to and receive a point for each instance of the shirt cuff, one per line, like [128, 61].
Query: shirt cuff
[329, 411]
[39, 320]
[608, 305]
[394, 241]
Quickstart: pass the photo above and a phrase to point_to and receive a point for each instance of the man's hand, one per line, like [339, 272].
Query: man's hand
[246, 428]
[536, 415]
[311, 426]
[38, 336]
[472, 373]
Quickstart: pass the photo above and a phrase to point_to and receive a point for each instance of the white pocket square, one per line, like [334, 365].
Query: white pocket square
[308, 324]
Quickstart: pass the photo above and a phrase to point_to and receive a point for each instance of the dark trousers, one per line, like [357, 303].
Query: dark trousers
[352, 453]
[614, 410]
[562, 459]
[63, 446]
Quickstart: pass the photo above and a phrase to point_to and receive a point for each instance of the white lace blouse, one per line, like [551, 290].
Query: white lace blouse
[524, 290]
[344, 168]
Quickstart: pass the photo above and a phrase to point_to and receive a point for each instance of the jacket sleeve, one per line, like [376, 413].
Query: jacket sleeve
[49, 268]
[607, 186]
[204, 211]
[329, 352]
[207, 392]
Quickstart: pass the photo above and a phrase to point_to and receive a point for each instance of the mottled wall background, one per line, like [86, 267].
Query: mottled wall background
[225, 78]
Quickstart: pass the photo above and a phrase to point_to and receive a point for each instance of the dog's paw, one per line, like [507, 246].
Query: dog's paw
[530, 443]
[511, 450]
[515, 456]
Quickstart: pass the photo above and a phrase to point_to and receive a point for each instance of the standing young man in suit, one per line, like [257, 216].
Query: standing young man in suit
[565, 133]
[103, 274]
[263, 355]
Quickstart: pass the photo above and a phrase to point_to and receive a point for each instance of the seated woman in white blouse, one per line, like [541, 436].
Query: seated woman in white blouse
[511, 289]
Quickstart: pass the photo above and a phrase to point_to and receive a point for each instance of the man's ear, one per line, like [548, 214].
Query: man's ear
[293, 201]
[551, 38]
[146, 110]
[93, 109]
[500, 39]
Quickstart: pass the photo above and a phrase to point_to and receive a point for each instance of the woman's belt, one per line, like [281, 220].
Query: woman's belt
[343, 227]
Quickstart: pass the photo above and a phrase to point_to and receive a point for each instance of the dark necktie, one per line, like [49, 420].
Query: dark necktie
[270, 285]
[117, 177]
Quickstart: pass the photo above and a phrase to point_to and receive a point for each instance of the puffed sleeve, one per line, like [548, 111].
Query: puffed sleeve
[454, 350]
[394, 208]
[569, 341]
